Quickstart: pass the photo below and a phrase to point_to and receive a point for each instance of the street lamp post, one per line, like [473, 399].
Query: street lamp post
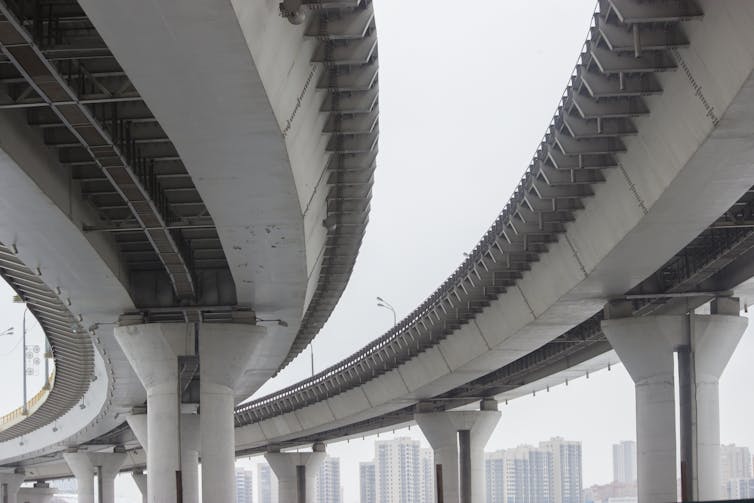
[25, 411]
[19, 300]
[383, 303]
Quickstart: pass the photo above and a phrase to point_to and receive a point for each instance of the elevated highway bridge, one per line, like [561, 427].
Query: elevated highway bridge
[636, 211]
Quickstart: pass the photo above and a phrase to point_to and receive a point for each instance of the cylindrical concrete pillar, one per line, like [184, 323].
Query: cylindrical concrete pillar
[224, 354]
[711, 342]
[462, 469]
[140, 479]
[646, 346]
[10, 482]
[189, 452]
[296, 472]
[84, 465]
[153, 350]
[163, 452]
[218, 442]
[83, 471]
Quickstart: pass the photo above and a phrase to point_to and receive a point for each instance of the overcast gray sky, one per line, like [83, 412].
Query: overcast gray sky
[466, 93]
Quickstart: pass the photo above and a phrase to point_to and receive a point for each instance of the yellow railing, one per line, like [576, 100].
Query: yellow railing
[31, 405]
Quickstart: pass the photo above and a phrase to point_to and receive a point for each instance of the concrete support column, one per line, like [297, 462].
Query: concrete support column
[458, 439]
[140, 479]
[225, 351]
[190, 457]
[85, 465]
[189, 451]
[10, 482]
[711, 341]
[153, 350]
[83, 470]
[295, 472]
[646, 345]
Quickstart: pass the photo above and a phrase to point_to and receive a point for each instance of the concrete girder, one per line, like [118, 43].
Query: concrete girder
[350, 101]
[353, 144]
[600, 85]
[619, 37]
[561, 160]
[648, 61]
[589, 146]
[660, 11]
[350, 25]
[343, 191]
[580, 128]
[349, 78]
[534, 228]
[362, 177]
[347, 52]
[554, 176]
[607, 108]
[545, 191]
[536, 203]
[363, 123]
[352, 168]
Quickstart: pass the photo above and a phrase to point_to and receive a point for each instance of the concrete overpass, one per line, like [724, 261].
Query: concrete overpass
[145, 185]
[639, 197]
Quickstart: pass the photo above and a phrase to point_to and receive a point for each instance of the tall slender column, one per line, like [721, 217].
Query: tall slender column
[646, 345]
[189, 451]
[295, 472]
[10, 482]
[83, 471]
[710, 344]
[140, 479]
[153, 350]
[190, 457]
[225, 351]
[85, 465]
[458, 439]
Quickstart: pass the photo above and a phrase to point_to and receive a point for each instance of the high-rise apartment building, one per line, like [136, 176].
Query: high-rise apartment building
[737, 489]
[735, 462]
[736, 471]
[624, 462]
[267, 484]
[367, 483]
[397, 473]
[550, 473]
[565, 470]
[244, 486]
[402, 472]
[494, 476]
[327, 488]
[426, 476]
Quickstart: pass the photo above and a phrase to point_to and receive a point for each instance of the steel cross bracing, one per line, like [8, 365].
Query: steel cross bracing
[347, 49]
[604, 94]
[57, 68]
[71, 345]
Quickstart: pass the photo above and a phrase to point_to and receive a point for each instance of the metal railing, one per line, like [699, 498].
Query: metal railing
[31, 405]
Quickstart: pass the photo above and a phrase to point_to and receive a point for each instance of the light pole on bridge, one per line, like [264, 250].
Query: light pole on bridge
[19, 300]
[383, 303]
